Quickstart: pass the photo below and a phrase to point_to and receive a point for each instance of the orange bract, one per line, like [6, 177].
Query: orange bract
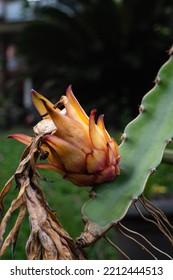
[79, 149]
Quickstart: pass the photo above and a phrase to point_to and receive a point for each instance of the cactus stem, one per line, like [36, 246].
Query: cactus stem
[143, 143]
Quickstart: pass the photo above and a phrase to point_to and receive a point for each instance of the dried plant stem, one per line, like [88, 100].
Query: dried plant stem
[4, 191]
[15, 229]
[146, 240]
[160, 219]
[53, 242]
[116, 247]
[148, 220]
[155, 209]
[150, 205]
[120, 226]
[48, 240]
[14, 205]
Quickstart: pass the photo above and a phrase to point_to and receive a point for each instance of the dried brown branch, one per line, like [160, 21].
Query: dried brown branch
[53, 241]
[48, 240]
[11, 236]
[151, 221]
[117, 248]
[120, 227]
[159, 218]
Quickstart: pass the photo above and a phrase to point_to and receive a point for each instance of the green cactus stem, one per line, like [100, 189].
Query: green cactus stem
[143, 144]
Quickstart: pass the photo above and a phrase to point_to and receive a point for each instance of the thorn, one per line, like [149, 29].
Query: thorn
[123, 137]
[141, 108]
[169, 141]
[152, 170]
[92, 194]
[135, 198]
[157, 80]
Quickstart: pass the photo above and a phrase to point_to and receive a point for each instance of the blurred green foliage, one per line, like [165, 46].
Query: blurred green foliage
[110, 51]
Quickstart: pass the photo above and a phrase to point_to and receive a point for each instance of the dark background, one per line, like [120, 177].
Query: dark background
[110, 51]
